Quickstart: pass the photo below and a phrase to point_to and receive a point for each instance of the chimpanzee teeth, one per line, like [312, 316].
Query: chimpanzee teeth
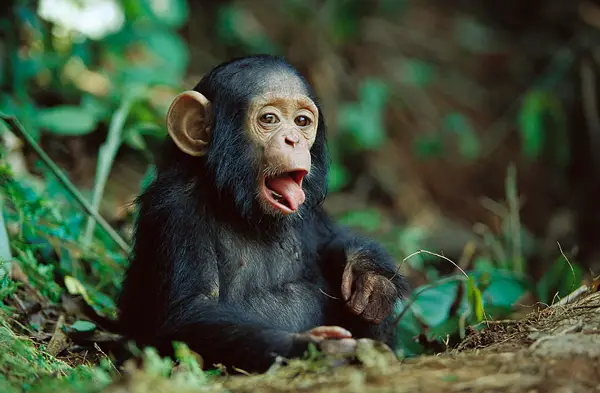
[276, 195]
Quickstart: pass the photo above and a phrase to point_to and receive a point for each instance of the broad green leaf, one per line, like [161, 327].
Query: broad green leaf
[483, 264]
[95, 107]
[171, 49]
[500, 288]
[83, 326]
[66, 120]
[449, 326]
[432, 306]
[408, 328]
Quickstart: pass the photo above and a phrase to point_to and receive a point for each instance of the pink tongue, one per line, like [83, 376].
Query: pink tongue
[291, 191]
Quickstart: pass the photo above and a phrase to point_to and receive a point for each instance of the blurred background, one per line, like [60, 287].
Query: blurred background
[468, 129]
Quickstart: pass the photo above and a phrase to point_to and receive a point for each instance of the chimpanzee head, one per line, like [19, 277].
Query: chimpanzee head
[255, 125]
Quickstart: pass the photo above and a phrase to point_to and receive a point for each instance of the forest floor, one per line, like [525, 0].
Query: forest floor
[555, 349]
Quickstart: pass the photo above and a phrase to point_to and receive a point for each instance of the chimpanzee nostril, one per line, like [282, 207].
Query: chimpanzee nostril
[291, 140]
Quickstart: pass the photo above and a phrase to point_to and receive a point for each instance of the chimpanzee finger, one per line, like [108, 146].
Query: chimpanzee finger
[330, 332]
[386, 309]
[373, 308]
[360, 297]
[347, 280]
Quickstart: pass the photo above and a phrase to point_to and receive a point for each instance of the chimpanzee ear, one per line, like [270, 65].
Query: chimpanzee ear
[189, 122]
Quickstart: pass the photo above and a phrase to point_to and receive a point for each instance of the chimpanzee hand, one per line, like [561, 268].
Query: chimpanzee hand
[366, 292]
[331, 340]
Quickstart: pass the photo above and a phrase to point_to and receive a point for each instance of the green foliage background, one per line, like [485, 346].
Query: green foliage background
[61, 83]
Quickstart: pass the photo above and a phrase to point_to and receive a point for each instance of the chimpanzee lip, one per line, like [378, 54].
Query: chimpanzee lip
[277, 200]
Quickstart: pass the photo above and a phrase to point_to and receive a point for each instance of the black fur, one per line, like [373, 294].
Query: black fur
[210, 269]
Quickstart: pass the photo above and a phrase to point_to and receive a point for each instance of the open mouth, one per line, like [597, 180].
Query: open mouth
[284, 191]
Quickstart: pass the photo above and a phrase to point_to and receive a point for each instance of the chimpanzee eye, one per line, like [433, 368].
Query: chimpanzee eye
[269, 118]
[302, 121]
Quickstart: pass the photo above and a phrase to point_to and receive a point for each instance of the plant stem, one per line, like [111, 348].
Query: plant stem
[5, 255]
[18, 129]
[514, 219]
[106, 157]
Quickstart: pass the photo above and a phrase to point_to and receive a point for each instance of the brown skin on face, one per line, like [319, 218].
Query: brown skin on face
[286, 126]
[283, 125]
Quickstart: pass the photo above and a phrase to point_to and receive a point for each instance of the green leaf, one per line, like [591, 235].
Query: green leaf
[368, 220]
[417, 73]
[500, 288]
[475, 299]
[373, 94]
[83, 326]
[428, 146]
[133, 138]
[559, 280]
[154, 364]
[166, 55]
[66, 120]
[408, 328]
[538, 107]
[468, 143]
[148, 177]
[95, 107]
[531, 124]
[432, 306]
[364, 121]
[75, 287]
[338, 177]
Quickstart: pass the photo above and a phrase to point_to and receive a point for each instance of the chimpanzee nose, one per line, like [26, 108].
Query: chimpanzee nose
[292, 139]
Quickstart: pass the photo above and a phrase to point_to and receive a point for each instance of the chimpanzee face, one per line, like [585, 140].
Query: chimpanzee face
[258, 131]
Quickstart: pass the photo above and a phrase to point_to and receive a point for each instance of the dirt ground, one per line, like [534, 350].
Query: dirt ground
[553, 350]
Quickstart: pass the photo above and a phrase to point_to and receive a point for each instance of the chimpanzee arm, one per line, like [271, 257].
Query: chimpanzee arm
[222, 333]
[343, 246]
[369, 280]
